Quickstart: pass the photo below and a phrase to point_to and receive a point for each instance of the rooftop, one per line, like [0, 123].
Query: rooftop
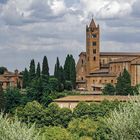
[93, 98]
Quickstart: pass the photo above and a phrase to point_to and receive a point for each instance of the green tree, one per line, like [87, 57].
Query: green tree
[70, 69]
[25, 78]
[109, 89]
[2, 69]
[33, 112]
[2, 99]
[68, 85]
[56, 133]
[45, 72]
[53, 84]
[32, 70]
[123, 86]
[82, 127]
[82, 109]
[57, 68]
[12, 99]
[38, 71]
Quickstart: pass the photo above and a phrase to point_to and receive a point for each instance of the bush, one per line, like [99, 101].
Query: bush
[124, 124]
[56, 133]
[109, 89]
[15, 130]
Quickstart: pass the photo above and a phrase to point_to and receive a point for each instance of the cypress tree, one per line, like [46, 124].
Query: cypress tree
[45, 67]
[45, 72]
[32, 70]
[72, 71]
[57, 69]
[25, 78]
[2, 99]
[67, 68]
[38, 71]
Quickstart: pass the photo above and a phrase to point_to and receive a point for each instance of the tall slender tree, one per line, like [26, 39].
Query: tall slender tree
[45, 72]
[70, 70]
[57, 68]
[32, 70]
[25, 78]
[38, 71]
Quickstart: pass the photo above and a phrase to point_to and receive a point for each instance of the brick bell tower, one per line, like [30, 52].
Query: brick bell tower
[92, 47]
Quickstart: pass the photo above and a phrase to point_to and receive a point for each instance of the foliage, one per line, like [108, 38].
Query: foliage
[109, 89]
[25, 78]
[68, 85]
[82, 109]
[123, 86]
[38, 71]
[70, 70]
[33, 112]
[136, 90]
[45, 72]
[2, 69]
[32, 70]
[95, 110]
[56, 133]
[12, 99]
[124, 123]
[15, 130]
[82, 127]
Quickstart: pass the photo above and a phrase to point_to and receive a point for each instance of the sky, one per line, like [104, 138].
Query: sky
[34, 28]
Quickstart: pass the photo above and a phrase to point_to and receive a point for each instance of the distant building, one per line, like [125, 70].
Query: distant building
[72, 101]
[95, 69]
[11, 79]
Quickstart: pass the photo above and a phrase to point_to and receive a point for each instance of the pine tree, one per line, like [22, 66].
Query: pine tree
[25, 78]
[32, 70]
[123, 86]
[57, 69]
[45, 72]
[38, 71]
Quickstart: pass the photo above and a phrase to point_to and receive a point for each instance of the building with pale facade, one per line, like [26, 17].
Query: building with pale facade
[95, 69]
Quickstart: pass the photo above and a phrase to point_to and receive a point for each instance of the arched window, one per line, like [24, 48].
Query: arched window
[82, 78]
[94, 58]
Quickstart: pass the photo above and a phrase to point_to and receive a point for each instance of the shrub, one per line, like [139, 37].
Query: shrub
[124, 123]
[15, 130]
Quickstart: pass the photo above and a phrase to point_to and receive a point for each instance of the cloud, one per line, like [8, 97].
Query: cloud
[34, 28]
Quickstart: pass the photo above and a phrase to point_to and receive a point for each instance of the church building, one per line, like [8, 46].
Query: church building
[95, 69]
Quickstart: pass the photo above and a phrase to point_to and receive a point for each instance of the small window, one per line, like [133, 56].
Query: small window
[82, 61]
[103, 61]
[100, 81]
[94, 35]
[94, 51]
[93, 43]
[93, 81]
[112, 81]
[105, 81]
[94, 58]
[82, 78]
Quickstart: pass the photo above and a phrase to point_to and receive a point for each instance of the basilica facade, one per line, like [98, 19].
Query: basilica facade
[95, 69]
